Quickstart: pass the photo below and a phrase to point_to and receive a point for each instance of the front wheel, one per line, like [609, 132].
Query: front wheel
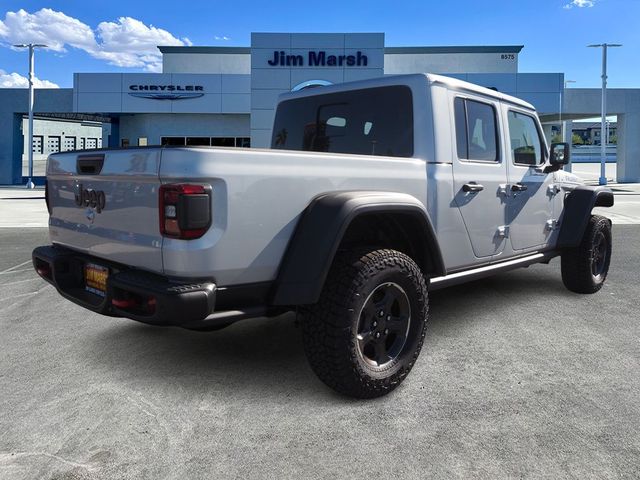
[585, 267]
[364, 335]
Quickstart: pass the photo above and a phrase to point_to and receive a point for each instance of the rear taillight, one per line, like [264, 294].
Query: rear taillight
[185, 210]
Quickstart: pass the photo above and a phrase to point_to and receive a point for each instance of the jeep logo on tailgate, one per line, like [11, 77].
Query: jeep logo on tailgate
[90, 198]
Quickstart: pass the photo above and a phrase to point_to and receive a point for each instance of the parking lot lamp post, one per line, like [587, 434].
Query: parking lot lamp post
[603, 144]
[31, 47]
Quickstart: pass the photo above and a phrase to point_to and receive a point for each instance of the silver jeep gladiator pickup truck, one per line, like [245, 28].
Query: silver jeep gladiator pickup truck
[373, 194]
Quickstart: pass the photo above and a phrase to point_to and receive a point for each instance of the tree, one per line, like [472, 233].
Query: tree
[576, 139]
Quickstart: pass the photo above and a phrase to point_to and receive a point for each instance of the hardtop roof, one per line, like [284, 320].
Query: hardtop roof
[456, 84]
[408, 79]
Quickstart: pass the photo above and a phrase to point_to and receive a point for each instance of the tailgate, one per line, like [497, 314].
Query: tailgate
[105, 203]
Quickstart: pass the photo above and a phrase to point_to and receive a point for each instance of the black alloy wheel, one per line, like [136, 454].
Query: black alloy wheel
[384, 324]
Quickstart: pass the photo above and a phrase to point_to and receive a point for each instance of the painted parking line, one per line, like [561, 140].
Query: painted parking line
[8, 284]
[11, 269]
[19, 296]
[16, 271]
[6, 303]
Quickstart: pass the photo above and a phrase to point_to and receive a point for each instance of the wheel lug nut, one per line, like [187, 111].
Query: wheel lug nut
[374, 324]
[381, 313]
[377, 334]
[386, 331]
[388, 317]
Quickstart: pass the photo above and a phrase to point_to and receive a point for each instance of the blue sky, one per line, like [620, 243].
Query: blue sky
[116, 36]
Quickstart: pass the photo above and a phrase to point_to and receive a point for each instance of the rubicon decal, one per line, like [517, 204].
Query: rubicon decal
[90, 198]
[166, 92]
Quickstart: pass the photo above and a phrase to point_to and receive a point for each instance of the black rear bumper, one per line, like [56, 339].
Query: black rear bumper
[134, 294]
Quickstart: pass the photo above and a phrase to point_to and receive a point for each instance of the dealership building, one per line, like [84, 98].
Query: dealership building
[226, 96]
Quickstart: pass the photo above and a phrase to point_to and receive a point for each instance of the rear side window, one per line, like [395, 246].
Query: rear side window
[373, 121]
[526, 145]
[476, 131]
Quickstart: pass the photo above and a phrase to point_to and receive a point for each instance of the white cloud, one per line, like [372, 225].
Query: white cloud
[127, 42]
[580, 4]
[15, 80]
[222, 37]
[46, 26]
[130, 43]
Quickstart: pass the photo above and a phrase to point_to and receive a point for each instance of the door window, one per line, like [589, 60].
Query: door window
[476, 131]
[526, 145]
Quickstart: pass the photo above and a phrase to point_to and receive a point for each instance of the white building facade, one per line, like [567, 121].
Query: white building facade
[227, 95]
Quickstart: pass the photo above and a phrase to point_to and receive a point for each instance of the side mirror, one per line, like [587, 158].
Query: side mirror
[559, 154]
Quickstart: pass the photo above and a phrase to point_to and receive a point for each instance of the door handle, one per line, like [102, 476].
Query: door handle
[518, 187]
[472, 188]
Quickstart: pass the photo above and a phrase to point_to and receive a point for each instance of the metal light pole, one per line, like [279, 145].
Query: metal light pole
[603, 144]
[31, 47]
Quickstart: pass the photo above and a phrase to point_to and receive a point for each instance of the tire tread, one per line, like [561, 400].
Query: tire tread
[327, 329]
[576, 261]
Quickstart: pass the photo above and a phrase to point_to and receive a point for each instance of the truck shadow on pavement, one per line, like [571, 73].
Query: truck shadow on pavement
[264, 358]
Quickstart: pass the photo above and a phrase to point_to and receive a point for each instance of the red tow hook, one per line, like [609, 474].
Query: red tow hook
[128, 303]
[43, 271]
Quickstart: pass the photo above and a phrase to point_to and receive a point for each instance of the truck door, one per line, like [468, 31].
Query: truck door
[480, 173]
[530, 205]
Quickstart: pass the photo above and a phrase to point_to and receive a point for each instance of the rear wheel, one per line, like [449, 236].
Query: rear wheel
[585, 267]
[364, 335]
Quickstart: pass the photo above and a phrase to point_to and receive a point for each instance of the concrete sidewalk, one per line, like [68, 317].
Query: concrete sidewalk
[626, 210]
[22, 208]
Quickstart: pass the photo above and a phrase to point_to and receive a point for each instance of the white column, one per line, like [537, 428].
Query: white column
[548, 132]
[628, 163]
[567, 128]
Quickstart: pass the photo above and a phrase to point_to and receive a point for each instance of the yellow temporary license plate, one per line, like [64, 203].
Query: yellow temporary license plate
[95, 278]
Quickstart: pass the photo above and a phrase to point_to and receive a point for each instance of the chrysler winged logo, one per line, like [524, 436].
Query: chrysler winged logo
[166, 92]
[95, 199]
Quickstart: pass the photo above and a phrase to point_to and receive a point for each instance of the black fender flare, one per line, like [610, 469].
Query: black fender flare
[578, 205]
[320, 230]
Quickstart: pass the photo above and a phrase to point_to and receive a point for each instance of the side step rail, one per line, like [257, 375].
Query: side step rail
[437, 283]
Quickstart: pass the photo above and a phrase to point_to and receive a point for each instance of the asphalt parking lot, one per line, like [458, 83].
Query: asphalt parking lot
[519, 378]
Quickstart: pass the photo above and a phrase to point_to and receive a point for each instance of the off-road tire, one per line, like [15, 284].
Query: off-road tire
[330, 327]
[584, 270]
